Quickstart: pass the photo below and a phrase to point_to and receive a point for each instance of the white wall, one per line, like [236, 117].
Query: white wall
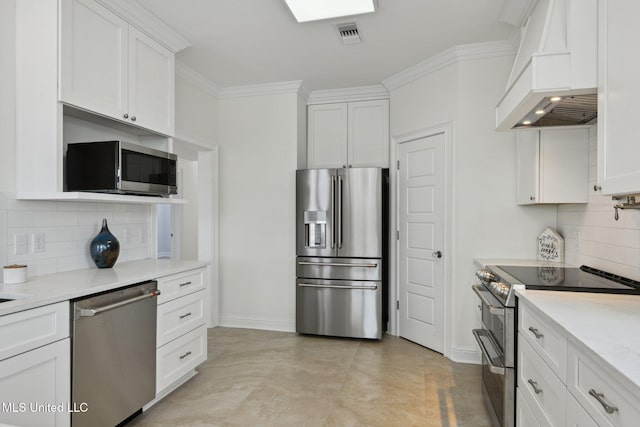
[258, 157]
[486, 222]
[592, 235]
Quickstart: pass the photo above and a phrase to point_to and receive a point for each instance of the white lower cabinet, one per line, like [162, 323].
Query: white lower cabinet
[181, 336]
[561, 382]
[35, 373]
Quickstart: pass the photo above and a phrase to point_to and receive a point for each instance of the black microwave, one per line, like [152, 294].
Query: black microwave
[120, 167]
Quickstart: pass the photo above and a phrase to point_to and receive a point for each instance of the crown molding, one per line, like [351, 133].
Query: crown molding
[359, 93]
[197, 79]
[449, 57]
[294, 86]
[134, 13]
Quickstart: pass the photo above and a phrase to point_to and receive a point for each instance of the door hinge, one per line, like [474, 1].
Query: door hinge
[397, 304]
[398, 164]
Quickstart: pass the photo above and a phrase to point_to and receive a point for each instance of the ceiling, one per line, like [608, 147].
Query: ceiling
[242, 42]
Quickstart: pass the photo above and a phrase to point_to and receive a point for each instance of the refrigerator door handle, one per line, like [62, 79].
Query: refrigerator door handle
[338, 264]
[347, 288]
[333, 211]
[339, 212]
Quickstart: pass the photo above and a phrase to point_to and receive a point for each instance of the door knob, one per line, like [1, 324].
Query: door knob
[437, 254]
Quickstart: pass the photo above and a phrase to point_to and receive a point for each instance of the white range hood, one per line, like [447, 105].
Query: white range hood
[557, 57]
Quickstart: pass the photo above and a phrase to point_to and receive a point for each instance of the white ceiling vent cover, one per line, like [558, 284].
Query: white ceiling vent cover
[348, 33]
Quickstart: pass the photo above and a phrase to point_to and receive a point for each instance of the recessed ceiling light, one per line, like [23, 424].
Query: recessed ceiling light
[313, 10]
[555, 99]
[526, 122]
[539, 112]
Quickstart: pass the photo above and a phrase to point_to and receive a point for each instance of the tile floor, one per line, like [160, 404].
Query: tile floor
[266, 378]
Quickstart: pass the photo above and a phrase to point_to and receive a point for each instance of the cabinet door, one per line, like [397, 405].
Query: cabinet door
[35, 387]
[528, 165]
[564, 166]
[151, 83]
[368, 134]
[618, 91]
[93, 58]
[327, 136]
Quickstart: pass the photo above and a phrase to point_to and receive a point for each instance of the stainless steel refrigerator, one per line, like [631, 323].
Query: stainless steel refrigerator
[342, 248]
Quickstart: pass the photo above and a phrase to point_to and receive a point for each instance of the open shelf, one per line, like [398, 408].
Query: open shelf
[99, 197]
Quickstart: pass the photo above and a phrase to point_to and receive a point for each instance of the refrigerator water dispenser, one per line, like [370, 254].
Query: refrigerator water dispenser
[315, 227]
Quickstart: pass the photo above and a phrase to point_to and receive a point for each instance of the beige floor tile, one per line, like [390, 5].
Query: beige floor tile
[266, 378]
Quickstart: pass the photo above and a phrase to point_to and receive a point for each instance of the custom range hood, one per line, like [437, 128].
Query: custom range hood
[554, 77]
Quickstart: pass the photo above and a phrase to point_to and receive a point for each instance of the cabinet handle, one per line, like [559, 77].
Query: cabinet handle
[185, 315]
[597, 187]
[600, 398]
[188, 353]
[125, 115]
[185, 283]
[532, 197]
[133, 118]
[536, 332]
[534, 385]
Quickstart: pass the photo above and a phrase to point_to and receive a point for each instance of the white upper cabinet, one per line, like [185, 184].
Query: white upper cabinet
[111, 68]
[618, 91]
[348, 134]
[553, 166]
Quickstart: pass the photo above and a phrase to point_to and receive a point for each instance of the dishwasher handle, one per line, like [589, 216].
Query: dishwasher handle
[88, 312]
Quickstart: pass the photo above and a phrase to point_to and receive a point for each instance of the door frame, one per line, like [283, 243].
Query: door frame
[394, 287]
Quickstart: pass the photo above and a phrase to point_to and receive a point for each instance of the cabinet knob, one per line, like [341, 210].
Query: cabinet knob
[344, 166]
[133, 118]
[350, 166]
[597, 187]
[126, 116]
[532, 197]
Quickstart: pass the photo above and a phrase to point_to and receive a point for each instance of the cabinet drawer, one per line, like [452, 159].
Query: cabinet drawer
[180, 284]
[524, 414]
[33, 328]
[540, 387]
[179, 316]
[175, 359]
[546, 339]
[576, 414]
[601, 391]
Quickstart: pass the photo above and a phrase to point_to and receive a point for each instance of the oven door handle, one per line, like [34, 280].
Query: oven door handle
[496, 369]
[479, 289]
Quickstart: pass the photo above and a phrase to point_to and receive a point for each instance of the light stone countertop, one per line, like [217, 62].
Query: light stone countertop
[52, 288]
[607, 324]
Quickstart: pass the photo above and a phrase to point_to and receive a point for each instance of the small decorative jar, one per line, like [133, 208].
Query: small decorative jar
[104, 248]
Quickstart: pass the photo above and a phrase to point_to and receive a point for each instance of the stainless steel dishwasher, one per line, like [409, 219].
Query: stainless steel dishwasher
[113, 355]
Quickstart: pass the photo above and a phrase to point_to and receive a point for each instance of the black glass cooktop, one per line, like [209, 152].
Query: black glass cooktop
[585, 278]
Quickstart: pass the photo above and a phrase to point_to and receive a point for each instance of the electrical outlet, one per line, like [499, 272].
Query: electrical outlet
[21, 244]
[37, 240]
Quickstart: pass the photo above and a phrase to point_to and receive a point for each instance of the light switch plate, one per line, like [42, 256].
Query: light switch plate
[21, 244]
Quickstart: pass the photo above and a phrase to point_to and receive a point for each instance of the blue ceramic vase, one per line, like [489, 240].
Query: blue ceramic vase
[104, 248]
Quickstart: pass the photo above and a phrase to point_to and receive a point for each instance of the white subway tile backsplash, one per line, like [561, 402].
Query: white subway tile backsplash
[68, 228]
[593, 236]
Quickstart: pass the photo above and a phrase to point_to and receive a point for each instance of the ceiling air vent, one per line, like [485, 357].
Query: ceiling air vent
[348, 33]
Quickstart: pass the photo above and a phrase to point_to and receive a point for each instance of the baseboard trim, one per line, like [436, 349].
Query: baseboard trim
[255, 323]
[465, 355]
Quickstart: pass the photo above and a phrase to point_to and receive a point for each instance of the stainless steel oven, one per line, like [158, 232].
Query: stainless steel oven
[496, 341]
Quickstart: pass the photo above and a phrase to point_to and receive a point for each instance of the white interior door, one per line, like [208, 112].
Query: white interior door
[421, 180]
